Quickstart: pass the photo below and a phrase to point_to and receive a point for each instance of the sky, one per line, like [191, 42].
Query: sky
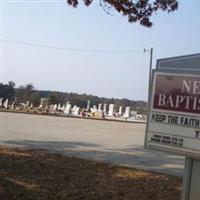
[121, 74]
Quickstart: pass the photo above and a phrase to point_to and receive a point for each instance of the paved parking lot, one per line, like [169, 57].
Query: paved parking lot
[115, 142]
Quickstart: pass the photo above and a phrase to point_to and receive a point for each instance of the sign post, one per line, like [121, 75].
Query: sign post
[174, 115]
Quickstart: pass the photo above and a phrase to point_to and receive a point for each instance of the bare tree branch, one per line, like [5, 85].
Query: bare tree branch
[105, 7]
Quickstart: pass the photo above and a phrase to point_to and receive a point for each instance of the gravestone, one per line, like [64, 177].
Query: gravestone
[111, 110]
[59, 107]
[27, 104]
[104, 108]
[74, 108]
[133, 114]
[127, 112]
[63, 108]
[88, 105]
[76, 111]
[5, 104]
[43, 102]
[67, 109]
[1, 101]
[120, 111]
[94, 108]
[55, 107]
[99, 107]
[13, 106]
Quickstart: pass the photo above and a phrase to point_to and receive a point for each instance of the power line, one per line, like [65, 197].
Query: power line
[69, 49]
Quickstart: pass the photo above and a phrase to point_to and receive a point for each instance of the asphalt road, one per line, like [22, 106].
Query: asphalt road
[115, 142]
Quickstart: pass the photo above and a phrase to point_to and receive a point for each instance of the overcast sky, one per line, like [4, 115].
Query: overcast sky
[123, 75]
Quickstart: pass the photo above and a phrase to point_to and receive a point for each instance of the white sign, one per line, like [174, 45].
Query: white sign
[174, 116]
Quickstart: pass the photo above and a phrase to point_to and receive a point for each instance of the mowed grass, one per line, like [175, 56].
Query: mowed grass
[37, 174]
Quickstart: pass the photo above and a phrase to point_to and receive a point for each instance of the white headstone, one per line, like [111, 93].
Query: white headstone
[120, 110]
[43, 102]
[111, 110]
[93, 109]
[88, 105]
[5, 104]
[27, 104]
[63, 108]
[31, 106]
[76, 111]
[55, 107]
[1, 101]
[127, 112]
[74, 108]
[67, 109]
[59, 107]
[99, 107]
[104, 108]
[13, 106]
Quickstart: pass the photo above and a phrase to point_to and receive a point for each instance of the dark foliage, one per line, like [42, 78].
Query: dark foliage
[136, 11]
[7, 91]
[35, 98]
[24, 93]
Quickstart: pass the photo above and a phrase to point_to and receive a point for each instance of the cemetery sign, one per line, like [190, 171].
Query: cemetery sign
[174, 115]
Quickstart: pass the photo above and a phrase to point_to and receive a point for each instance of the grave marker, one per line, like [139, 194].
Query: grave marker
[5, 104]
[127, 112]
[111, 110]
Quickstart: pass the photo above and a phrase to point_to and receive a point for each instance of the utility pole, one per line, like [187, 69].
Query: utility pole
[149, 92]
[150, 64]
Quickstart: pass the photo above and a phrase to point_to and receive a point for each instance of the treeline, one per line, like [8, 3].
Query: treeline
[29, 93]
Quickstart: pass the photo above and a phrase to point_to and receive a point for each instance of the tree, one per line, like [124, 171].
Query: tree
[11, 84]
[24, 93]
[135, 10]
[7, 90]
[55, 98]
[35, 99]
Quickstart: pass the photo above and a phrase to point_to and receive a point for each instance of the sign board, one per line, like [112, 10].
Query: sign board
[174, 116]
[173, 122]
